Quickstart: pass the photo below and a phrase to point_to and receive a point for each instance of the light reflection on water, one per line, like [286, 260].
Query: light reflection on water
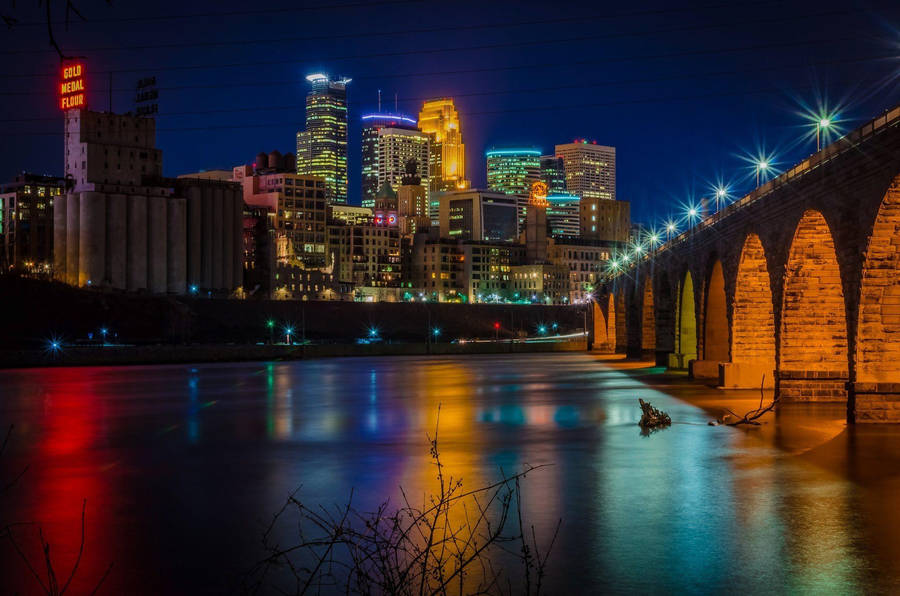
[183, 465]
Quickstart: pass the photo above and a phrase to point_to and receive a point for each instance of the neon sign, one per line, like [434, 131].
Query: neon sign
[72, 94]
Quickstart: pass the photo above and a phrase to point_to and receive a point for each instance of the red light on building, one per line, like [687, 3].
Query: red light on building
[72, 92]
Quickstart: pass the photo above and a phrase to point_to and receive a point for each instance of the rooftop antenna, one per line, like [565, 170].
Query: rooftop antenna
[379, 100]
[396, 109]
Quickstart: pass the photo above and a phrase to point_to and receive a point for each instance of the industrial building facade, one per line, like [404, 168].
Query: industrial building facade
[123, 226]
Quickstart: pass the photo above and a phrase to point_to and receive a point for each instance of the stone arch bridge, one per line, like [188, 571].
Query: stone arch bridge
[796, 285]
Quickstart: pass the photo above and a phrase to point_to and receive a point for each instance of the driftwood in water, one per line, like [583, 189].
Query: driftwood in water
[652, 417]
[732, 419]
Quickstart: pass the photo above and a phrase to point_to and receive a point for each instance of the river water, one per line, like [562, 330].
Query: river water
[183, 466]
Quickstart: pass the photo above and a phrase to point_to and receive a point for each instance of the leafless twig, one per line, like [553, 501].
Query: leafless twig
[452, 543]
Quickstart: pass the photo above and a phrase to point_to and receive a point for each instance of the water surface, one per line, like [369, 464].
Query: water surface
[182, 467]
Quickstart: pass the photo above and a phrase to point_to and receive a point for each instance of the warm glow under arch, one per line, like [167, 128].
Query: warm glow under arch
[687, 321]
[753, 318]
[715, 317]
[813, 322]
[621, 334]
[648, 318]
[611, 323]
[878, 336]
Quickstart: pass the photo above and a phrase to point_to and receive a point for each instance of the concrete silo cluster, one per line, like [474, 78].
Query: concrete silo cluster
[121, 225]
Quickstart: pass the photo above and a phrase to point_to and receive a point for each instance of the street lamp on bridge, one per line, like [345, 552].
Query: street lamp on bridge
[721, 195]
[822, 125]
[761, 166]
[670, 229]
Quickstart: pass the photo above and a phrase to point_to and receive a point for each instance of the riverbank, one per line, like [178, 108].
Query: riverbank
[181, 354]
[817, 433]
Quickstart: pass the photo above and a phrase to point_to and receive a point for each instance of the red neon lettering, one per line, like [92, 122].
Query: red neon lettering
[72, 87]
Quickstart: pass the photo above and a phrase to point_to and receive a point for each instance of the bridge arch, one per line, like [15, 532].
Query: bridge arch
[648, 318]
[753, 317]
[686, 336]
[878, 333]
[621, 331]
[813, 354]
[715, 316]
[611, 322]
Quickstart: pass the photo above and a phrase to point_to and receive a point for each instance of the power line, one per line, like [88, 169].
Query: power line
[547, 108]
[619, 59]
[494, 46]
[196, 15]
[689, 76]
[419, 31]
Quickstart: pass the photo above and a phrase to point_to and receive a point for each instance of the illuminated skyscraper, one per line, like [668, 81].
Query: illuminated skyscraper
[590, 169]
[447, 165]
[563, 212]
[388, 142]
[513, 170]
[553, 172]
[322, 147]
[591, 175]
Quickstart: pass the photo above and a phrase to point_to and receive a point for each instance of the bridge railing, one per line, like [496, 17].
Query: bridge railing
[847, 142]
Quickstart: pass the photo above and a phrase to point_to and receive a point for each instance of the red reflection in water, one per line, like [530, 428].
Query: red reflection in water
[65, 470]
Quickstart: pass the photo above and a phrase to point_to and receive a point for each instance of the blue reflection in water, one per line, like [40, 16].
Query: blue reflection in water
[691, 508]
[193, 424]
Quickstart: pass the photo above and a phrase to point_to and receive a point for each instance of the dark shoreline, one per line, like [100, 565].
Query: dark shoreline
[183, 354]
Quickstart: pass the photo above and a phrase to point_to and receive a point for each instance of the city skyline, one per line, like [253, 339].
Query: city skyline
[749, 107]
[374, 296]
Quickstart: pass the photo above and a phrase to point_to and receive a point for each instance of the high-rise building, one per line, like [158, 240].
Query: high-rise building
[447, 164]
[513, 170]
[478, 215]
[591, 175]
[322, 147]
[563, 215]
[26, 222]
[590, 169]
[553, 172]
[389, 141]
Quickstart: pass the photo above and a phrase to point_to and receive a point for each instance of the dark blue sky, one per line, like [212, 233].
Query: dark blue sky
[681, 91]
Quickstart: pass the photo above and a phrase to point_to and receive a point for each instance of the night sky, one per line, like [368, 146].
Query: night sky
[683, 93]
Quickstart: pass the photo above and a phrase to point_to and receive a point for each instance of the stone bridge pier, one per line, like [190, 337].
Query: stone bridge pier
[795, 286]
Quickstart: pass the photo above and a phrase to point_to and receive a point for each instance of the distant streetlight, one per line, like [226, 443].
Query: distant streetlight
[761, 166]
[670, 229]
[721, 195]
[822, 124]
[692, 214]
[288, 331]
[436, 332]
[542, 329]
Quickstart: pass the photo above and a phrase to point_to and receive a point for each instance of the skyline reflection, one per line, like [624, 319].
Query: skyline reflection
[689, 508]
